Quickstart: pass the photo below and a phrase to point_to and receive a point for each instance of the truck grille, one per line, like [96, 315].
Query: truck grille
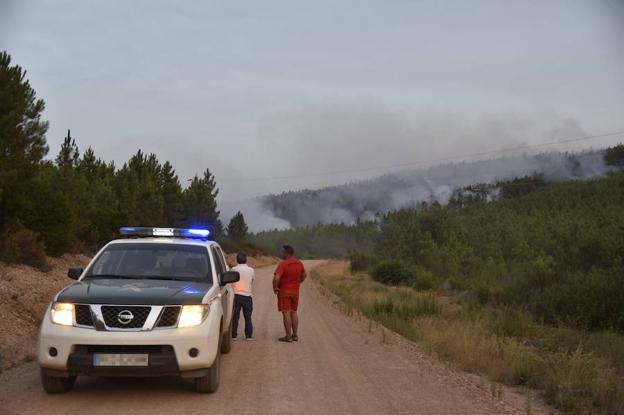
[112, 318]
[90, 349]
[83, 315]
[169, 317]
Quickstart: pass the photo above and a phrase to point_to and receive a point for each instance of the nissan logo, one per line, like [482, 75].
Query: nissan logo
[125, 317]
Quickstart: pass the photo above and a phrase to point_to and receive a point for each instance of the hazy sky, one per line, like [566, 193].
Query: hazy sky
[273, 89]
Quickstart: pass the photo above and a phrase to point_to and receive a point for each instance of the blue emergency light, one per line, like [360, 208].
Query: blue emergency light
[171, 232]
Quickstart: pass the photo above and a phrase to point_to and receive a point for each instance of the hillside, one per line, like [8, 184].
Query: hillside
[25, 292]
[366, 199]
[555, 250]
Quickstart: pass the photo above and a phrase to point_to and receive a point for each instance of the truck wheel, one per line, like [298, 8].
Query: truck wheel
[226, 342]
[210, 382]
[53, 384]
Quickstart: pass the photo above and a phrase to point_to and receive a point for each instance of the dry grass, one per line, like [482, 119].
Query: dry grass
[504, 344]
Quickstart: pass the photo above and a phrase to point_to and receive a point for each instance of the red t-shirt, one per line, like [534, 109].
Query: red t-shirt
[290, 271]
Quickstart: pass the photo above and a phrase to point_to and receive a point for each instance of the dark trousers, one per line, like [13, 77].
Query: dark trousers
[245, 303]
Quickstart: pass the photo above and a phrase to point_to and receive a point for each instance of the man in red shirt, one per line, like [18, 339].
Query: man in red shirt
[288, 277]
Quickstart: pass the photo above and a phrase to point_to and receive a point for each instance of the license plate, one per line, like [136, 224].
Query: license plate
[120, 359]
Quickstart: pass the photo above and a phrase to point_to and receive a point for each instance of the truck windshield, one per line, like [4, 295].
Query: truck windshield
[153, 260]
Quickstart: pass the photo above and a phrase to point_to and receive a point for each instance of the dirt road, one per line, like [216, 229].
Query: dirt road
[339, 366]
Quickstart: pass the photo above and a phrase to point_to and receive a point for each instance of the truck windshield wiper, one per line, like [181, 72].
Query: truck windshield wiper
[112, 276]
[163, 277]
[140, 277]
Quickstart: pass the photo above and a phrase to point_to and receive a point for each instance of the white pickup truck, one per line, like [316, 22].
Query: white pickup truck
[155, 303]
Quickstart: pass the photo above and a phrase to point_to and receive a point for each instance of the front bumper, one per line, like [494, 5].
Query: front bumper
[168, 349]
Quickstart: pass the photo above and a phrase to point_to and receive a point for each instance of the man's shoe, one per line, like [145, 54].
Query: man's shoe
[285, 339]
[234, 338]
[249, 339]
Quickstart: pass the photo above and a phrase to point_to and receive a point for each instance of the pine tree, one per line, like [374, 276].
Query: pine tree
[69, 156]
[614, 156]
[88, 164]
[140, 200]
[199, 204]
[101, 207]
[72, 188]
[237, 228]
[172, 194]
[22, 140]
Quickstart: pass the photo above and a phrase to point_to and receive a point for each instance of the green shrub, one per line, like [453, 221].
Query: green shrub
[482, 292]
[393, 272]
[405, 305]
[423, 280]
[542, 272]
[424, 304]
[457, 284]
[361, 261]
[509, 322]
[22, 246]
[527, 366]
[383, 306]
[592, 301]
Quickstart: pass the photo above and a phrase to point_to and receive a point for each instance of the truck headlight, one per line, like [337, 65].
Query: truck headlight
[63, 314]
[192, 315]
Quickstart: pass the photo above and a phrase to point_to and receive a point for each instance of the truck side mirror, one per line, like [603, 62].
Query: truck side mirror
[229, 277]
[74, 273]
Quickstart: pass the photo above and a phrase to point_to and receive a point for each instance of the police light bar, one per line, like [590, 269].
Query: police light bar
[171, 232]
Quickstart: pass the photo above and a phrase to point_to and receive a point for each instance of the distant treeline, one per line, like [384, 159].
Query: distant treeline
[367, 199]
[556, 251]
[78, 201]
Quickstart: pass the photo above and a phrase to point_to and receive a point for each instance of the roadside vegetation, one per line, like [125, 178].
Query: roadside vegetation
[554, 252]
[527, 287]
[577, 371]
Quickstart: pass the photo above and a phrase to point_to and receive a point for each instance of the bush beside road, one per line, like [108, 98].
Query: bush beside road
[577, 371]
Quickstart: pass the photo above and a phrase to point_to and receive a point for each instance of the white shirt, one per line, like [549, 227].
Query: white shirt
[247, 275]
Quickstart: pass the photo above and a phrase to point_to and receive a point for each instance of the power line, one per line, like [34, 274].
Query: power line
[431, 161]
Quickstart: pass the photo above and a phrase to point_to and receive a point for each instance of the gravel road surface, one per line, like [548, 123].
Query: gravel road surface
[341, 365]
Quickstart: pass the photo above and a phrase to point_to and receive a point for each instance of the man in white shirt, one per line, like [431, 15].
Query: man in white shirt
[242, 296]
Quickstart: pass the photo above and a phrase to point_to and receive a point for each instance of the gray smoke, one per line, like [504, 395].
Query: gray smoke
[360, 141]
[366, 199]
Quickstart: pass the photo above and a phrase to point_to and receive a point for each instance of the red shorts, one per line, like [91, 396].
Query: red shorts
[287, 301]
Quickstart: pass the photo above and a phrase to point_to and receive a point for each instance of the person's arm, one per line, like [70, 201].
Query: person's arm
[304, 274]
[276, 277]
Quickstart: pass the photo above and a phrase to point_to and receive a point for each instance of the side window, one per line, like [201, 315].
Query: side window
[222, 259]
[218, 262]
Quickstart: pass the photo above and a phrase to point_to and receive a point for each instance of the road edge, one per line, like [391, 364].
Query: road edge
[514, 399]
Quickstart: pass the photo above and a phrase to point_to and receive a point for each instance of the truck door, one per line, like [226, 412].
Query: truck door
[225, 293]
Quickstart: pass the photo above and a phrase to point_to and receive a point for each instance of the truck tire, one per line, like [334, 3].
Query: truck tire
[53, 384]
[226, 342]
[210, 382]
